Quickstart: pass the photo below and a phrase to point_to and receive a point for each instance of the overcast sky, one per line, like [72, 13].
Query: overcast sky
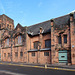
[29, 12]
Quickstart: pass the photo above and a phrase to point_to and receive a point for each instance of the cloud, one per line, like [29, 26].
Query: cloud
[40, 4]
[2, 7]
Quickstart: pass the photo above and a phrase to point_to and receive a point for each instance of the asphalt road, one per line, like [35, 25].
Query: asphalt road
[20, 70]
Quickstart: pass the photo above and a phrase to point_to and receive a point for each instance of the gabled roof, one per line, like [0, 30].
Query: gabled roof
[19, 29]
[18, 26]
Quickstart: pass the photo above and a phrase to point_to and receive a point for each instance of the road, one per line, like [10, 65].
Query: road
[20, 70]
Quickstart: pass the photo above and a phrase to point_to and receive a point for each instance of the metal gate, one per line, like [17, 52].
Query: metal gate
[63, 56]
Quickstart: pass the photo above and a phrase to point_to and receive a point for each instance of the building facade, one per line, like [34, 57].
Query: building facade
[49, 42]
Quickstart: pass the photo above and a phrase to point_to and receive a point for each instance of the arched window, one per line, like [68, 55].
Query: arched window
[19, 39]
[8, 41]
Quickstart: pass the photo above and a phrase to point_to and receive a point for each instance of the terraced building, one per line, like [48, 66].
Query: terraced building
[48, 42]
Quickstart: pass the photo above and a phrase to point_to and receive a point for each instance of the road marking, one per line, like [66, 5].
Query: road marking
[55, 68]
[11, 73]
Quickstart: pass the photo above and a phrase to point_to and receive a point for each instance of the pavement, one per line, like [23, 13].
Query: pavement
[46, 66]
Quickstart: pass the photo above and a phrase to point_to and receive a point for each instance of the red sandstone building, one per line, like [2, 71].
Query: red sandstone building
[49, 42]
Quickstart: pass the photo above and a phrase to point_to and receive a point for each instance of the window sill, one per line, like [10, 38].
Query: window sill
[46, 56]
[65, 43]
[6, 47]
[17, 45]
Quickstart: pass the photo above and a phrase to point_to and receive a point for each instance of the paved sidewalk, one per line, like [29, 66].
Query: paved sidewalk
[42, 65]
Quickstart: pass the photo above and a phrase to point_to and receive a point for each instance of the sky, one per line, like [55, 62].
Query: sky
[30, 12]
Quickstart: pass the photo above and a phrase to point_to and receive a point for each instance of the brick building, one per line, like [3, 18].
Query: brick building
[51, 41]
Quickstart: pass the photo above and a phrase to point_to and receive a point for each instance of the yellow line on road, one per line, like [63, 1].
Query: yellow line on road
[55, 68]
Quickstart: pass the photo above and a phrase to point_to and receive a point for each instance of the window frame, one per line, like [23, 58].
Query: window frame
[7, 25]
[0, 25]
[48, 41]
[65, 39]
[59, 39]
[33, 54]
[36, 44]
[21, 54]
[10, 27]
[46, 53]
[9, 54]
[16, 55]
[19, 39]
[4, 54]
[7, 43]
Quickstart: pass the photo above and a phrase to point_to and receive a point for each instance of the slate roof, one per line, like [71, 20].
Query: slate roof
[58, 22]
[35, 29]
[63, 20]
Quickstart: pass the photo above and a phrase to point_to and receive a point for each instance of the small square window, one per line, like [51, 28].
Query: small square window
[46, 53]
[33, 54]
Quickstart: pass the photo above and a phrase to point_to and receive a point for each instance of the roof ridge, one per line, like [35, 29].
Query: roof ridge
[38, 23]
[61, 16]
[49, 20]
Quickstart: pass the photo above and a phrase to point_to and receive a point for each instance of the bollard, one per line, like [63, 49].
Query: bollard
[45, 66]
